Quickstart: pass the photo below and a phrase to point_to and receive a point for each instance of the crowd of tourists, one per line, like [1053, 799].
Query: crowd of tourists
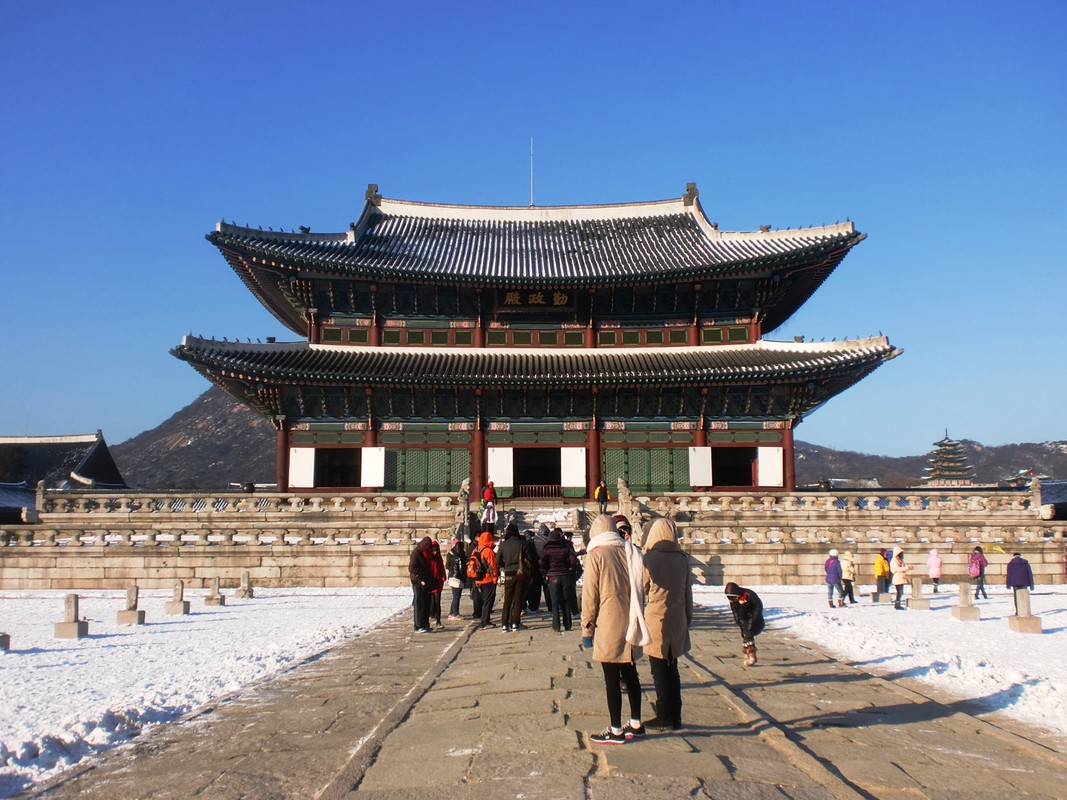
[635, 601]
[636, 597]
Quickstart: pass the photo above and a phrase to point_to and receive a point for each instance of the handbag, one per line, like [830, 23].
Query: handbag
[455, 583]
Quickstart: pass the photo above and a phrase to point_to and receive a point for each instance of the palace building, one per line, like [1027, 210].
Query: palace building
[543, 348]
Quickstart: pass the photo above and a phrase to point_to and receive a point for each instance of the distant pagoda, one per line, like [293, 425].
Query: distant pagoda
[948, 465]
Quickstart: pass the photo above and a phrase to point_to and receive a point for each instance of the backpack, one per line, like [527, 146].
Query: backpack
[476, 566]
[975, 568]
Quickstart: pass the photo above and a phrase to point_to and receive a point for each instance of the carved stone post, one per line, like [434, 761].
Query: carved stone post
[917, 602]
[71, 627]
[215, 597]
[1023, 621]
[244, 591]
[131, 615]
[178, 606]
[965, 611]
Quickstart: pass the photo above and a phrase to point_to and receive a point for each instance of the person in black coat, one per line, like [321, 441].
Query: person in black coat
[559, 564]
[748, 614]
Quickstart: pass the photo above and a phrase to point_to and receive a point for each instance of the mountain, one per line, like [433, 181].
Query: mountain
[216, 441]
[209, 444]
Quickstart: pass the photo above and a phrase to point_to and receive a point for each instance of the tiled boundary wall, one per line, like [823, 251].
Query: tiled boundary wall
[106, 541]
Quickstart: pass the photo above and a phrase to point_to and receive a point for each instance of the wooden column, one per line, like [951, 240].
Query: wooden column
[313, 327]
[590, 328]
[790, 467]
[700, 435]
[375, 337]
[478, 476]
[371, 438]
[694, 327]
[594, 457]
[281, 456]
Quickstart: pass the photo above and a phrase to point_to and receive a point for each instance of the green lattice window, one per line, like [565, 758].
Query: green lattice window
[648, 469]
[426, 470]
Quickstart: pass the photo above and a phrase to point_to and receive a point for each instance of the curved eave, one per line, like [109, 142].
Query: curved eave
[300, 363]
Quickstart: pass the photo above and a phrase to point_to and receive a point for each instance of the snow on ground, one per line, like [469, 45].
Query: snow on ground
[1021, 675]
[63, 700]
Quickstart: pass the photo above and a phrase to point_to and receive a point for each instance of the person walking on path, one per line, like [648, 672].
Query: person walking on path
[486, 574]
[557, 565]
[881, 572]
[747, 609]
[848, 576]
[437, 567]
[575, 573]
[668, 614]
[602, 496]
[976, 569]
[900, 575]
[934, 568]
[1019, 576]
[613, 623]
[832, 569]
[511, 559]
[457, 575]
[422, 581]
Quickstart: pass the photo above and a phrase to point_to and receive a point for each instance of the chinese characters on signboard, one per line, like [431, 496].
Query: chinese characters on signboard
[534, 299]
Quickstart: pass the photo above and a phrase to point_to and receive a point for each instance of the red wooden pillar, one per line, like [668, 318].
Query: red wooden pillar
[313, 327]
[700, 435]
[590, 328]
[371, 438]
[790, 467]
[281, 456]
[478, 476]
[594, 457]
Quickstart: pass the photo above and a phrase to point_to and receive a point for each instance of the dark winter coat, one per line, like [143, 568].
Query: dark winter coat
[1020, 576]
[457, 562]
[509, 555]
[748, 610]
[559, 557]
[419, 569]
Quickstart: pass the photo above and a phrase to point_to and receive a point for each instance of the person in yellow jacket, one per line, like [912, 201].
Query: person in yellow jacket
[881, 572]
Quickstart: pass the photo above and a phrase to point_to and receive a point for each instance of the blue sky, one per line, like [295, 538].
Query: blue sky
[128, 129]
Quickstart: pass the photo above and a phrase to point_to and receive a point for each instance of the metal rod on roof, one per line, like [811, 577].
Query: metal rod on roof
[531, 172]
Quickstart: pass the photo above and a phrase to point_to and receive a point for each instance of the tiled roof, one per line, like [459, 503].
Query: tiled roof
[574, 246]
[62, 462]
[302, 363]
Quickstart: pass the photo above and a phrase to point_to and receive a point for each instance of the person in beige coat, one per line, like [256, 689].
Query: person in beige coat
[668, 614]
[613, 623]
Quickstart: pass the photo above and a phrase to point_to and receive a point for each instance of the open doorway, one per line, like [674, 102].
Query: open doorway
[537, 471]
[733, 466]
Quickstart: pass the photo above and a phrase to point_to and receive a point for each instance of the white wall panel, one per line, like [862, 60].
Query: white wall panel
[372, 466]
[700, 467]
[771, 466]
[501, 466]
[301, 467]
[572, 467]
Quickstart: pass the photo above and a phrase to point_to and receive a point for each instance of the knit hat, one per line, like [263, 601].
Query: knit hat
[621, 521]
[733, 590]
[833, 554]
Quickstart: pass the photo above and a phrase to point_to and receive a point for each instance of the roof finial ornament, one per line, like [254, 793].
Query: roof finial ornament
[764, 228]
[372, 194]
[691, 194]
[305, 229]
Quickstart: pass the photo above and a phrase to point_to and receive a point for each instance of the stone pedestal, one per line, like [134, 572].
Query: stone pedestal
[176, 608]
[72, 630]
[129, 617]
[1029, 624]
[881, 597]
[5, 642]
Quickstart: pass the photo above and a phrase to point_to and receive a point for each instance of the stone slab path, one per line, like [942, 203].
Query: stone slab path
[482, 714]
